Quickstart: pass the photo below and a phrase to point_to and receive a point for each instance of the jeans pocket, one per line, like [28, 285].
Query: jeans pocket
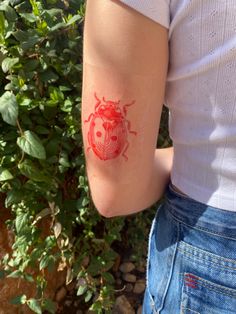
[201, 296]
[162, 250]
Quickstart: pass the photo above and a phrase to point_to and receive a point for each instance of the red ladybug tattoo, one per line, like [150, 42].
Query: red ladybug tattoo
[109, 129]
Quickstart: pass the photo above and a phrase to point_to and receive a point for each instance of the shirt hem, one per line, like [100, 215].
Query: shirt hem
[202, 195]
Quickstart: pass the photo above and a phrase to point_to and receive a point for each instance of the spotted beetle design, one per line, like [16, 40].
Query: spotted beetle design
[109, 129]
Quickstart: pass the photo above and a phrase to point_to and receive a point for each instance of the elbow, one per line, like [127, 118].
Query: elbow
[115, 200]
[118, 208]
[108, 210]
[107, 201]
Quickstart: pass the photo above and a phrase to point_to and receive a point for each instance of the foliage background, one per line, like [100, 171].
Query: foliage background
[42, 171]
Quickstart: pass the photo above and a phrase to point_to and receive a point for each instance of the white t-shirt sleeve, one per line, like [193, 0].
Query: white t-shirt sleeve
[157, 10]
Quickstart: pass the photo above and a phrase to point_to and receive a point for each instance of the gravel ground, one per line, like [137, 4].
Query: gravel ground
[130, 286]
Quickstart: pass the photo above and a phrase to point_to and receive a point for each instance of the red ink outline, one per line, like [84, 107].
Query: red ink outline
[115, 129]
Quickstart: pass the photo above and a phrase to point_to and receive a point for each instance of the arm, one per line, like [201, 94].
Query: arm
[124, 76]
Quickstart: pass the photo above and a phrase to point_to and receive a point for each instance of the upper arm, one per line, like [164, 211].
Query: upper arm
[125, 67]
[118, 36]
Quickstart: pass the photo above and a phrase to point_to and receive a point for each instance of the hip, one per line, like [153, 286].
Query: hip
[192, 259]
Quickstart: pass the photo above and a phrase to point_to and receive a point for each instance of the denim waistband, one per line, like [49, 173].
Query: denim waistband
[195, 214]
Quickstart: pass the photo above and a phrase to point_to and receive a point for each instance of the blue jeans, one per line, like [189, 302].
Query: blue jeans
[191, 265]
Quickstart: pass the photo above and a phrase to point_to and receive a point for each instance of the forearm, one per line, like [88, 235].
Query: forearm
[162, 166]
[161, 174]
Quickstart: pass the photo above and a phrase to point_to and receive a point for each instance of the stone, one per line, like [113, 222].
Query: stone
[122, 306]
[68, 303]
[129, 277]
[76, 304]
[139, 287]
[129, 287]
[12, 287]
[141, 269]
[139, 311]
[127, 267]
[60, 295]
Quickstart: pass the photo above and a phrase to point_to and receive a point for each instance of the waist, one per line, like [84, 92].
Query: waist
[177, 190]
[199, 174]
[199, 215]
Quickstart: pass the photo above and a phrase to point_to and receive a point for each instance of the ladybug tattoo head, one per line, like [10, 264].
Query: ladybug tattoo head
[109, 129]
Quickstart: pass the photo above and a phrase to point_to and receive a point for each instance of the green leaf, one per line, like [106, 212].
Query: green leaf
[54, 11]
[31, 171]
[82, 290]
[31, 65]
[49, 306]
[30, 143]
[97, 307]
[27, 39]
[108, 277]
[21, 35]
[8, 63]
[26, 102]
[30, 17]
[85, 201]
[5, 175]
[2, 28]
[13, 196]
[74, 19]
[43, 213]
[41, 129]
[34, 305]
[4, 5]
[20, 299]
[10, 14]
[81, 181]
[57, 26]
[88, 296]
[9, 11]
[28, 277]
[2, 274]
[30, 42]
[57, 228]
[21, 222]
[48, 76]
[47, 261]
[9, 108]
[15, 274]
[35, 7]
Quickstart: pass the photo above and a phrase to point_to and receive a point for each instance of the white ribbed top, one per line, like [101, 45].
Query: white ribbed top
[201, 94]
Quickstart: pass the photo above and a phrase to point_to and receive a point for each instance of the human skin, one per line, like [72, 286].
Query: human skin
[125, 63]
[109, 129]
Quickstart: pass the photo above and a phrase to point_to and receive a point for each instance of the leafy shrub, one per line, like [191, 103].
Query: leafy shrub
[42, 171]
